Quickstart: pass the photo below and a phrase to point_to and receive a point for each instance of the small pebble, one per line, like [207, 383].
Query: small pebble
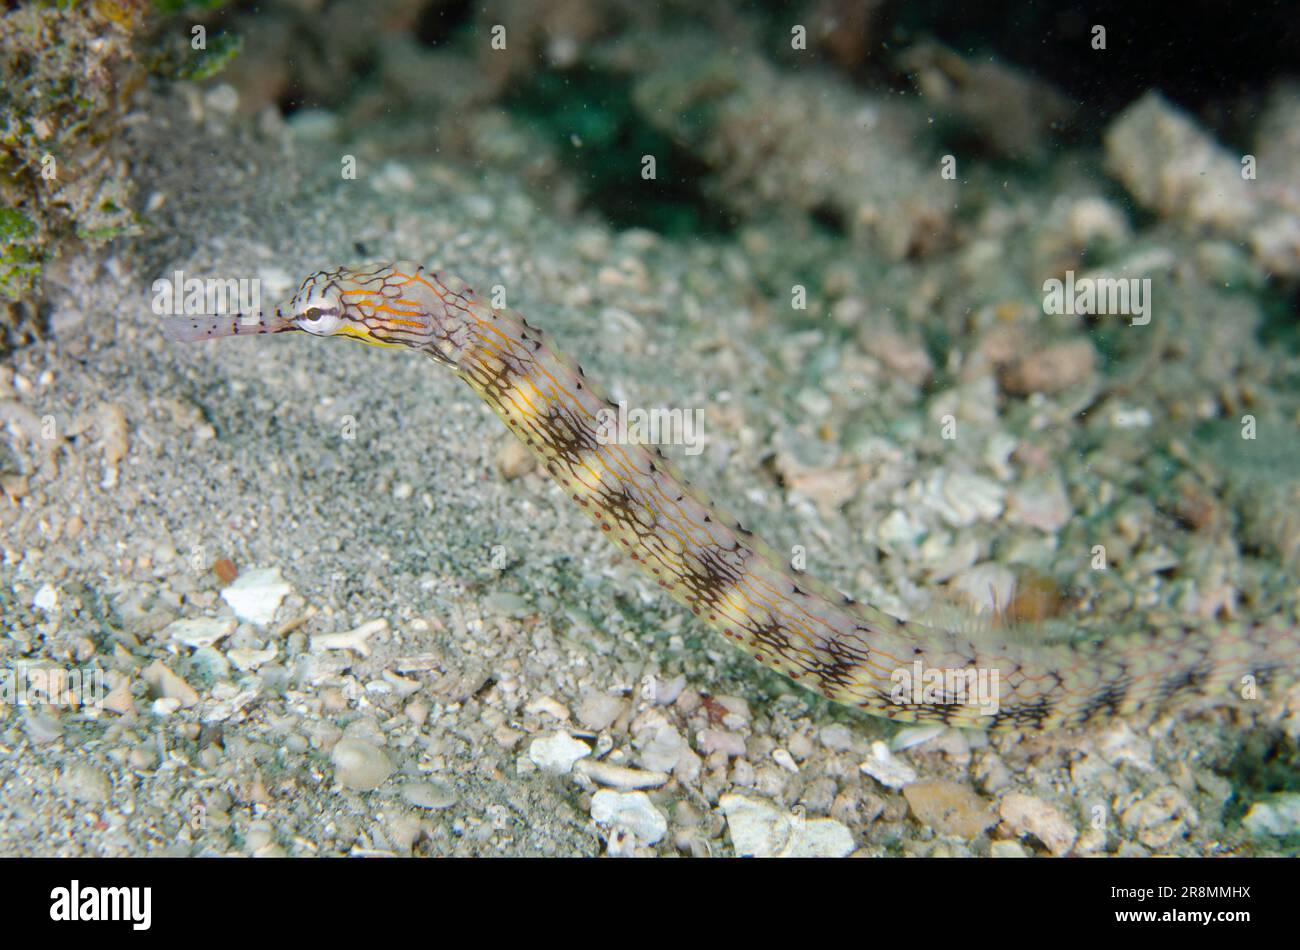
[1278, 816]
[1025, 814]
[837, 737]
[225, 570]
[1007, 849]
[1052, 369]
[661, 691]
[119, 699]
[359, 765]
[506, 603]
[86, 784]
[432, 794]
[41, 728]
[902, 357]
[514, 460]
[730, 744]
[222, 99]
[548, 706]
[1160, 818]
[949, 808]
[963, 498]
[735, 711]
[598, 711]
[800, 746]
[46, 599]
[168, 685]
[1040, 503]
[258, 836]
[165, 706]
[783, 758]
[142, 758]
[660, 747]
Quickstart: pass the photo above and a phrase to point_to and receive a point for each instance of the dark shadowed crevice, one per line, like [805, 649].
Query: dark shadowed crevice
[590, 115]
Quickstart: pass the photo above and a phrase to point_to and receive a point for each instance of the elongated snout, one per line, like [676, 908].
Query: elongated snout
[190, 328]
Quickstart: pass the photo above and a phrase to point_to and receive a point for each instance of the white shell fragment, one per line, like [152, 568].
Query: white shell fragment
[256, 595]
[962, 498]
[200, 631]
[249, 659]
[910, 736]
[557, 752]
[759, 829]
[354, 639]
[46, 599]
[620, 776]
[886, 769]
[628, 815]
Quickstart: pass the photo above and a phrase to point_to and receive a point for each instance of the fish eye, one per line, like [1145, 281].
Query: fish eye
[322, 319]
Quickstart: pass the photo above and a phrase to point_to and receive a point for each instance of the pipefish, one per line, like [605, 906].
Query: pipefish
[850, 652]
